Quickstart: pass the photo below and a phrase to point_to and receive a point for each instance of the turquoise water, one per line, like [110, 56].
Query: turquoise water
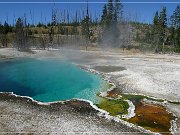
[48, 80]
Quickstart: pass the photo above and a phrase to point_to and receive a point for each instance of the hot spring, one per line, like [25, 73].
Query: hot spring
[49, 80]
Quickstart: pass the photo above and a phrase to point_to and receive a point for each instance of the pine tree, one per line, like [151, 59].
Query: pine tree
[86, 26]
[110, 17]
[156, 19]
[104, 15]
[6, 27]
[19, 35]
[176, 15]
[178, 38]
[163, 26]
[118, 12]
[172, 31]
[51, 30]
[155, 31]
[4, 31]
[172, 36]
[54, 17]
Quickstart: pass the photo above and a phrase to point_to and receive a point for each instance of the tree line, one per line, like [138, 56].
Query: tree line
[60, 30]
[111, 29]
[167, 32]
[164, 33]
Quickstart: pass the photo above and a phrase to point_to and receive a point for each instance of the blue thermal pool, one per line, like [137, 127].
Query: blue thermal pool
[49, 80]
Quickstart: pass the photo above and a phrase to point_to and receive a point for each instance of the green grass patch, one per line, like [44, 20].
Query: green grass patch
[110, 85]
[133, 97]
[114, 107]
[140, 97]
[98, 94]
[153, 99]
[176, 103]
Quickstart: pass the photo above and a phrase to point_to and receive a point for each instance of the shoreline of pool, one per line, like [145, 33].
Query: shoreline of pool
[102, 112]
[104, 93]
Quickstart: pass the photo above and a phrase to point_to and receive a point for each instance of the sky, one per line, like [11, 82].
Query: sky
[40, 10]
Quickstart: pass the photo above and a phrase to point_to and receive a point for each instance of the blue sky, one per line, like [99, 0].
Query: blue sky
[42, 11]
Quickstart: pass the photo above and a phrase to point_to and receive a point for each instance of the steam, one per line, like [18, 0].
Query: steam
[119, 36]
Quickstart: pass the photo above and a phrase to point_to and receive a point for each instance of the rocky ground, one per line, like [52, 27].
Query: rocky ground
[22, 115]
[153, 75]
